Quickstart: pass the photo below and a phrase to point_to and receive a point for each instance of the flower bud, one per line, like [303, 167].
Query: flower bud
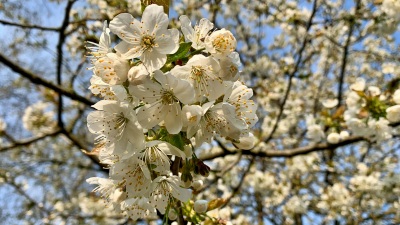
[246, 142]
[172, 214]
[200, 206]
[393, 114]
[197, 184]
[344, 135]
[202, 168]
[333, 138]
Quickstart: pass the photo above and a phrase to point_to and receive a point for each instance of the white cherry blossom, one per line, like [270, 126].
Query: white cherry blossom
[118, 123]
[149, 40]
[220, 43]
[162, 99]
[203, 74]
[198, 34]
[165, 187]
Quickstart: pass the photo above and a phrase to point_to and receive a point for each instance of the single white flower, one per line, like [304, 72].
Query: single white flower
[315, 133]
[200, 206]
[344, 135]
[165, 187]
[333, 138]
[163, 101]
[203, 74]
[359, 85]
[39, 118]
[220, 43]
[393, 114]
[214, 121]
[374, 91]
[246, 141]
[196, 35]
[149, 39]
[135, 174]
[156, 154]
[117, 122]
[380, 128]
[330, 103]
[238, 95]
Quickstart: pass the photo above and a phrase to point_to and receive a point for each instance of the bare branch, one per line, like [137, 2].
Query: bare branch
[61, 40]
[26, 26]
[288, 152]
[237, 188]
[38, 80]
[297, 65]
[29, 141]
[344, 57]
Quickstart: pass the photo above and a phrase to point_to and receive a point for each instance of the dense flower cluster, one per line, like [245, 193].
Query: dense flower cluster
[369, 113]
[161, 99]
[38, 118]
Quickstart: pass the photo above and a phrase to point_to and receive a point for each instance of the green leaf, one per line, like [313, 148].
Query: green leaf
[181, 53]
[176, 140]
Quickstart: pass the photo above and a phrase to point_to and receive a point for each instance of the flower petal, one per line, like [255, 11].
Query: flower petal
[155, 19]
[173, 119]
[153, 60]
[126, 27]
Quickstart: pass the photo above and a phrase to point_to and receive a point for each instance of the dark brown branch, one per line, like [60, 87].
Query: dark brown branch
[345, 56]
[61, 40]
[293, 73]
[237, 188]
[29, 141]
[289, 152]
[26, 26]
[38, 80]
[78, 144]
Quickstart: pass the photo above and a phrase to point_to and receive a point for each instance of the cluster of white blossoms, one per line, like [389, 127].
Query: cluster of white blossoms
[162, 97]
[336, 200]
[368, 113]
[39, 119]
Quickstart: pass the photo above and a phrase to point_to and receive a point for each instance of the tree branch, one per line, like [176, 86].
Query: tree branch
[237, 188]
[61, 40]
[38, 80]
[29, 141]
[26, 26]
[288, 152]
[345, 56]
[293, 73]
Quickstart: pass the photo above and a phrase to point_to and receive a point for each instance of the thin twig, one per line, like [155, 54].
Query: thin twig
[38, 80]
[29, 26]
[293, 73]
